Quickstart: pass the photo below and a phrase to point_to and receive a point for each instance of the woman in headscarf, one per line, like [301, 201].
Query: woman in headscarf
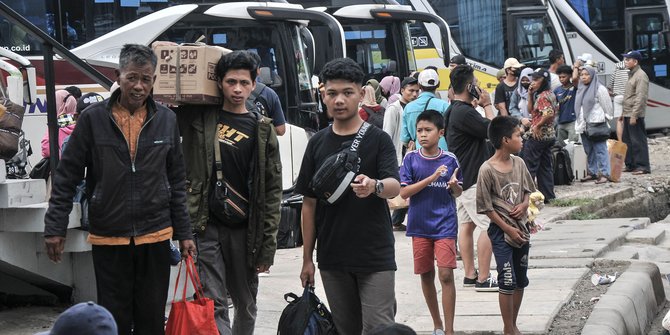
[370, 110]
[542, 108]
[593, 106]
[518, 105]
[390, 86]
[379, 98]
[66, 109]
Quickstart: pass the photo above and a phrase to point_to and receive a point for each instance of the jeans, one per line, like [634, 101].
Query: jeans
[540, 163]
[597, 157]
[637, 156]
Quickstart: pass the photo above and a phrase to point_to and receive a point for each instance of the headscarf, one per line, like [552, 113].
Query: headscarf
[369, 97]
[523, 92]
[66, 103]
[390, 85]
[586, 94]
[378, 90]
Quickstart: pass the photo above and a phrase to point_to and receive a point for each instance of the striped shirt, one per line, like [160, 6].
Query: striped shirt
[618, 79]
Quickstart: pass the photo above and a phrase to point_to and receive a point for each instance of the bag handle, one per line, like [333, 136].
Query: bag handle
[425, 108]
[191, 274]
[217, 156]
[359, 136]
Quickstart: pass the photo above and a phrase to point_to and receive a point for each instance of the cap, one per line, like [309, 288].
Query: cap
[585, 57]
[512, 63]
[633, 54]
[458, 60]
[408, 81]
[86, 318]
[87, 100]
[540, 73]
[429, 78]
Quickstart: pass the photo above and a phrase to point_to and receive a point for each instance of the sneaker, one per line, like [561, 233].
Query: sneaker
[489, 285]
[264, 273]
[470, 282]
[399, 227]
[438, 332]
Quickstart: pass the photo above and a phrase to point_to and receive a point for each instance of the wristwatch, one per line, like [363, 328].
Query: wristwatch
[379, 187]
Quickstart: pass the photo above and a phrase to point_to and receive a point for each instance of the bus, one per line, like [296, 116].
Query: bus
[606, 29]
[487, 32]
[277, 31]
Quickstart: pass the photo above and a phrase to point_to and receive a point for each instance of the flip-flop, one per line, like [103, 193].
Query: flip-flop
[639, 172]
[602, 180]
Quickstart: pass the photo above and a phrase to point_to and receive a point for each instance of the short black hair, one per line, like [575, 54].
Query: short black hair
[342, 68]
[137, 54]
[256, 57]
[564, 69]
[460, 77]
[236, 60]
[74, 91]
[433, 117]
[501, 127]
[555, 55]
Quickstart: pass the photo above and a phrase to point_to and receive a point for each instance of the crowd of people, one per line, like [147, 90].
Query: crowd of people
[210, 178]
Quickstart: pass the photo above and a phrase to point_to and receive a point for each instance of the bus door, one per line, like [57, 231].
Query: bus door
[530, 35]
[647, 30]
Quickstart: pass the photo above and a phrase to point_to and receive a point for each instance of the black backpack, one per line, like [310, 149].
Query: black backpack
[563, 174]
[375, 118]
[305, 315]
[257, 102]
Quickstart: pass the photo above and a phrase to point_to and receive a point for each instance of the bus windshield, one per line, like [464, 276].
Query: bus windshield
[373, 47]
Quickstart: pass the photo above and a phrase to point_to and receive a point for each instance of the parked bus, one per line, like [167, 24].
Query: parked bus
[277, 31]
[606, 29]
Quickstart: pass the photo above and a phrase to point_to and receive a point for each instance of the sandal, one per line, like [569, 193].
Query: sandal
[588, 178]
[639, 172]
[602, 180]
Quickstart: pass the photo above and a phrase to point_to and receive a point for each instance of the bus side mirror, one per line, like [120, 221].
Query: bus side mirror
[308, 39]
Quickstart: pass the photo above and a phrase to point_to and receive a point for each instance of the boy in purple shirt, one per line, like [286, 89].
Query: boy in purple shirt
[430, 177]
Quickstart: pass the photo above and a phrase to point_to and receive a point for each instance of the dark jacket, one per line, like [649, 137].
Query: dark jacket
[126, 198]
[198, 126]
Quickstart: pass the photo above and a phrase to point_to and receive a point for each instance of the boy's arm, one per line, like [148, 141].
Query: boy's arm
[308, 241]
[514, 233]
[412, 189]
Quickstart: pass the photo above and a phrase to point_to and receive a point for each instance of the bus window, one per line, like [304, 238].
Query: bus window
[648, 36]
[533, 40]
[371, 49]
[600, 14]
[639, 3]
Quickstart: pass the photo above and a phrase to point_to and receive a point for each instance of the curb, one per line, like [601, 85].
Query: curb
[599, 202]
[630, 304]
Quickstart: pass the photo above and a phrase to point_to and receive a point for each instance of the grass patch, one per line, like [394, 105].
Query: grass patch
[571, 202]
[581, 215]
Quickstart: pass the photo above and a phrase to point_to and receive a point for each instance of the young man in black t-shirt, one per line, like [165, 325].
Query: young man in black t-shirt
[356, 253]
[466, 137]
[505, 89]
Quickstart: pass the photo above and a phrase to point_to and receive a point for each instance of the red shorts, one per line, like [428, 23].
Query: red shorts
[426, 250]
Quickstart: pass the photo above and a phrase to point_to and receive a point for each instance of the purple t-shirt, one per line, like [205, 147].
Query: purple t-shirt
[432, 211]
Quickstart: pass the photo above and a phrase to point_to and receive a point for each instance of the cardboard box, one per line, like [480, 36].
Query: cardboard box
[185, 74]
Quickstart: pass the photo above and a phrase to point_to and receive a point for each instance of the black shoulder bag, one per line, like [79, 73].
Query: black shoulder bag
[227, 204]
[333, 177]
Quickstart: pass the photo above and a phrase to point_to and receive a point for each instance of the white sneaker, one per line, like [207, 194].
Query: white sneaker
[264, 274]
[438, 332]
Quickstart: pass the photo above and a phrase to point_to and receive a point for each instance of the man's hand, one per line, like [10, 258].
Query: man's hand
[55, 246]
[187, 248]
[363, 186]
[484, 97]
[411, 146]
[519, 210]
[516, 235]
[262, 268]
[633, 121]
[307, 273]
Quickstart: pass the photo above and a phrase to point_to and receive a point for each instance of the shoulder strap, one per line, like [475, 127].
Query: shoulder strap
[217, 154]
[368, 110]
[359, 136]
[427, 103]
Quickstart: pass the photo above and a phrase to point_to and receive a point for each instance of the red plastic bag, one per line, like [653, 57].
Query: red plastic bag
[194, 317]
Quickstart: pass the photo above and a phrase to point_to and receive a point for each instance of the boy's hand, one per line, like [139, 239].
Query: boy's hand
[516, 235]
[363, 186]
[441, 170]
[519, 211]
[307, 273]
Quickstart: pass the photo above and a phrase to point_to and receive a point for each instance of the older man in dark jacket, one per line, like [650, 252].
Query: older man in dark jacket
[129, 148]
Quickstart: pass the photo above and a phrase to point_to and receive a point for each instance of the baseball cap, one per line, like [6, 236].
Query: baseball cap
[512, 63]
[540, 73]
[429, 78]
[633, 54]
[408, 81]
[585, 57]
[87, 100]
[458, 60]
[86, 318]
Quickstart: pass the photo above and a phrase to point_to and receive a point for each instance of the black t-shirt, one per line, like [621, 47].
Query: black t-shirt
[354, 234]
[466, 137]
[237, 139]
[503, 93]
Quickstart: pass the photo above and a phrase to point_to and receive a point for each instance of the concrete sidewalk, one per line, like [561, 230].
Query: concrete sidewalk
[559, 258]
